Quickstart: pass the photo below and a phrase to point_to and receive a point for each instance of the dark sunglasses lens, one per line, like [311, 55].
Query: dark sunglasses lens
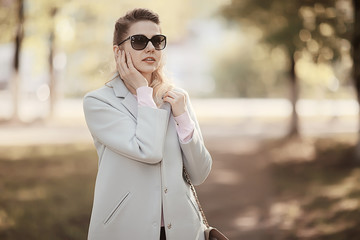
[159, 42]
[139, 42]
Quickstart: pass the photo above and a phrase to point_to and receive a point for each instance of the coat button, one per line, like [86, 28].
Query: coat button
[169, 226]
[165, 190]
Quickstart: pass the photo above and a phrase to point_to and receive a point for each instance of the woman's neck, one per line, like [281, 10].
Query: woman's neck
[148, 77]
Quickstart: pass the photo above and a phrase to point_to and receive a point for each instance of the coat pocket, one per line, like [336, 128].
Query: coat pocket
[194, 205]
[116, 208]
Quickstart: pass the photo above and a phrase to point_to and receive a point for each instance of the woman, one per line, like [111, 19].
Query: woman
[145, 132]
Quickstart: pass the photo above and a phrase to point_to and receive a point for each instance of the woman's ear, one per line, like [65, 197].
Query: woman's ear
[116, 49]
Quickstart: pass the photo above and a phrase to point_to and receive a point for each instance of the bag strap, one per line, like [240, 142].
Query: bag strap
[187, 178]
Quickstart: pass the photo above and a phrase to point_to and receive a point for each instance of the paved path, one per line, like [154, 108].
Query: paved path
[235, 118]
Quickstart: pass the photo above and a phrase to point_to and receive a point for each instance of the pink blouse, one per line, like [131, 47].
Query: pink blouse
[184, 124]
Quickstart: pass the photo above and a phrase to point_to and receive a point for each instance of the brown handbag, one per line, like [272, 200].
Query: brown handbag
[211, 233]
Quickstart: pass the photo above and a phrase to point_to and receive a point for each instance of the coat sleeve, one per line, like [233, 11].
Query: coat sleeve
[142, 140]
[196, 157]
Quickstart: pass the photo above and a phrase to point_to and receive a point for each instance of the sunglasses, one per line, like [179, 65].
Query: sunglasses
[139, 41]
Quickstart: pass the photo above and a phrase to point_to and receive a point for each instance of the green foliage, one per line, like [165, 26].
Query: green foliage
[296, 23]
[250, 73]
[8, 20]
[317, 32]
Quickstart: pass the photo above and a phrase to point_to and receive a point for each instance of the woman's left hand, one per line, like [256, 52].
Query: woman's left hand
[177, 101]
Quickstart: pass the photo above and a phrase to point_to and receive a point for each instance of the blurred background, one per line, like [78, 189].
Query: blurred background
[274, 85]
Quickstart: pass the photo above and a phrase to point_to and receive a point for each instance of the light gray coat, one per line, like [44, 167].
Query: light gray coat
[140, 168]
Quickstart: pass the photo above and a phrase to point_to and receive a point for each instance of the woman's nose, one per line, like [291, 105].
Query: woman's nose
[150, 46]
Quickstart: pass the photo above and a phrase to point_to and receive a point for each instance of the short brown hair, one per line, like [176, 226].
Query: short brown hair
[123, 24]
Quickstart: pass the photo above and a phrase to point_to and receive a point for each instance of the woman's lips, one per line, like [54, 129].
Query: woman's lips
[149, 60]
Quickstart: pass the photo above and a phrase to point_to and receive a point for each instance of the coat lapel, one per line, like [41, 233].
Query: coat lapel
[130, 101]
[121, 91]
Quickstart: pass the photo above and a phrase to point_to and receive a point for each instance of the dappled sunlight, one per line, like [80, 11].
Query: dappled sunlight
[327, 221]
[29, 194]
[249, 219]
[285, 214]
[297, 150]
[226, 177]
[65, 28]
[5, 220]
[23, 152]
[52, 185]
[347, 205]
[324, 229]
[296, 188]
[345, 187]
[317, 194]
[235, 147]
[310, 72]
[321, 221]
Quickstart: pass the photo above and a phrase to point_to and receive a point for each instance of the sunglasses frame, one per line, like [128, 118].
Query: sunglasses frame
[148, 40]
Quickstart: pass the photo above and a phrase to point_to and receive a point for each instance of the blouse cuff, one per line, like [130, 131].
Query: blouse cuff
[144, 96]
[184, 127]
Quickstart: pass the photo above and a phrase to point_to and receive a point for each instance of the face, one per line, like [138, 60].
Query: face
[148, 60]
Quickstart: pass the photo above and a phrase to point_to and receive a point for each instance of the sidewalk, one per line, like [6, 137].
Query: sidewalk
[238, 119]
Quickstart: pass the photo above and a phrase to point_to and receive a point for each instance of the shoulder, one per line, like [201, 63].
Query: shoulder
[181, 90]
[103, 92]
[106, 91]
[103, 96]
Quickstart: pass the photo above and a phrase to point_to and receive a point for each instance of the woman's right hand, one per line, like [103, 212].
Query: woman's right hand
[128, 73]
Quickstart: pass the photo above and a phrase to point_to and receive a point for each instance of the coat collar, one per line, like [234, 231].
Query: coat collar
[119, 87]
[130, 102]
[121, 91]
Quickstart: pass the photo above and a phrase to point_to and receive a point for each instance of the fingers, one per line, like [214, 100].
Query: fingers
[128, 73]
[174, 98]
[122, 65]
[169, 99]
[123, 61]
[119, 65]
[174, 95]
[177, 101]
[129, 61]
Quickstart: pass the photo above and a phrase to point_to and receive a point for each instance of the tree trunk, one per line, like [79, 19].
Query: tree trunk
[356, 60]
[16, 77]
[294, 94]
[52, 82]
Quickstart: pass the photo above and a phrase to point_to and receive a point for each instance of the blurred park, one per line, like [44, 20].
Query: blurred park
[275, 86]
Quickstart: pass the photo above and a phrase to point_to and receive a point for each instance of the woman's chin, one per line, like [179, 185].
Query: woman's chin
[147, 70]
